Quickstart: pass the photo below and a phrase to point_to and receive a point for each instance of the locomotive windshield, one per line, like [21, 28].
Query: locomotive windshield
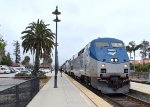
[102, 44]
[115, 44]
[106, 44]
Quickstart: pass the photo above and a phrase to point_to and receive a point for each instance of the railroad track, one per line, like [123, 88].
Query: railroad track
[124, 100]
[117, 100]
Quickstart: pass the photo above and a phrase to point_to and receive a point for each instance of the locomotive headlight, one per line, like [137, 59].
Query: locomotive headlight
[103, 65]
[112, 60]
[125, 65]
[116, 60]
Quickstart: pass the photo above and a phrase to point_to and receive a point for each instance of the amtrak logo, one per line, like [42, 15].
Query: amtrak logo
[111, 53]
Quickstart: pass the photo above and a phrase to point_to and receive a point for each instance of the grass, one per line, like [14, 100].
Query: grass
[44, 81]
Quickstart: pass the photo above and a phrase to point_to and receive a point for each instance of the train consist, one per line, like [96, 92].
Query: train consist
[103, 64]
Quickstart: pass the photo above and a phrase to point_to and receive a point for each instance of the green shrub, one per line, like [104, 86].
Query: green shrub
[41, 75]
[21, 74]
[142, 67]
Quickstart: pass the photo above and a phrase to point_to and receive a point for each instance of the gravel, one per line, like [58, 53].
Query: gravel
[139, 95]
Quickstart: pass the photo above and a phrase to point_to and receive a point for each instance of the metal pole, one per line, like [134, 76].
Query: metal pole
[56, 12]
[56, 60]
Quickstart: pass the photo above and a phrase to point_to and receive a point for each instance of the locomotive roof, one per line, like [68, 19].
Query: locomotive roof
[107, 40]
[104, 53]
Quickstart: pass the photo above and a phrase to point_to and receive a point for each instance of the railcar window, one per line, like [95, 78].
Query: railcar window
[117, 44]
[81, 52]
[102, 44]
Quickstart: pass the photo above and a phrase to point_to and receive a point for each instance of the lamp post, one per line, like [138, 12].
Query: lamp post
[56, 12]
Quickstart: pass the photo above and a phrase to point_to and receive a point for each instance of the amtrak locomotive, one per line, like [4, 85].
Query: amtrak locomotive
[103, 64]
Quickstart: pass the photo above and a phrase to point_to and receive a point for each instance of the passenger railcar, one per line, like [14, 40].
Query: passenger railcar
[103, 64]
[66, 67]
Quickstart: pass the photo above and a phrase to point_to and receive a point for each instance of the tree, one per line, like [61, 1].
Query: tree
[38, 39]
[6, 60]
[47, 58]
[149, 52]
[17, 51]
[129, 49]
[132, 47]
[26, 61]
[144, 49]
[2, 48]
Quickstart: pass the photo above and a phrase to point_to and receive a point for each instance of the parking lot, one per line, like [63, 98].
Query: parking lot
[7, 81]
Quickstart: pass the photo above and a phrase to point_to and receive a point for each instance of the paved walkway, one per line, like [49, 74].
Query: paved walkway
[66, 95]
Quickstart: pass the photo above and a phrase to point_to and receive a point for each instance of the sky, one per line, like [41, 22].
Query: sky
[81, 22]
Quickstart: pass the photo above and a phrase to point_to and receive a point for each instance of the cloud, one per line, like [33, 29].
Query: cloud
[81, 21]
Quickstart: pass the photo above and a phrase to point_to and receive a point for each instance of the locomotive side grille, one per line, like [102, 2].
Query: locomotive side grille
[125, 70]
[103, 70]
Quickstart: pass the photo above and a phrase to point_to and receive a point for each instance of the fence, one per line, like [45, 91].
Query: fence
[19, 95]
[141, 76]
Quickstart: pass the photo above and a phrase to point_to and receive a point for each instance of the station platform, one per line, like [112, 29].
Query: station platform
[144, 88]
[66, 95]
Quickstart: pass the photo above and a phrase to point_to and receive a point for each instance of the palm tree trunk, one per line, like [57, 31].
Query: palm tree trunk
[37, 62]
[130, 55]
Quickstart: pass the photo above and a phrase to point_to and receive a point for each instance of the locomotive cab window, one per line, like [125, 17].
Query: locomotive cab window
[102, 44]
[115, 44]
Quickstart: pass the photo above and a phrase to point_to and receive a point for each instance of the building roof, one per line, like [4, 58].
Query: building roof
[44, 65]
[140, 61]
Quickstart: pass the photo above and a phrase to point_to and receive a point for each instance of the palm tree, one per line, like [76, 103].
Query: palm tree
[129, 49]
[134, 48]
[38, 39]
